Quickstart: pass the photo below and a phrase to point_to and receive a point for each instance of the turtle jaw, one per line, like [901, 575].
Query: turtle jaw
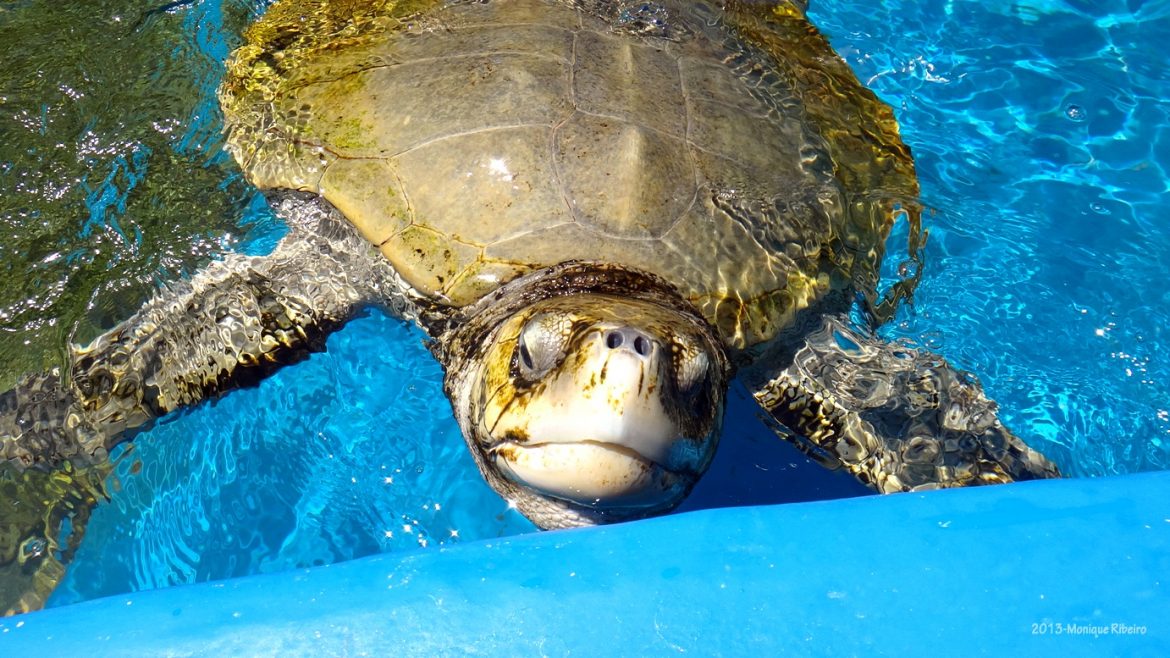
[607, 475]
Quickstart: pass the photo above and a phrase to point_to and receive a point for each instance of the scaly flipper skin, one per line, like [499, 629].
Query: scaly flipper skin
[233, 323]
[899, 419]
[42, 520]
[41, 423]
[237, 321]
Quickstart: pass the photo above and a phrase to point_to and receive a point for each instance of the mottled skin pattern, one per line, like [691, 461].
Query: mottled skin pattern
[37, 506]
[477, 167]
[233, 323]
[899, 419]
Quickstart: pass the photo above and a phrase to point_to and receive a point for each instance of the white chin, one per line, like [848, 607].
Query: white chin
[592, 474]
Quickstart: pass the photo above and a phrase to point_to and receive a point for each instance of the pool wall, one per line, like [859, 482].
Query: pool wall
[1069, 567]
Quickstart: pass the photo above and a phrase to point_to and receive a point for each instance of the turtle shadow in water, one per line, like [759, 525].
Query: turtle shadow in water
[753, 467]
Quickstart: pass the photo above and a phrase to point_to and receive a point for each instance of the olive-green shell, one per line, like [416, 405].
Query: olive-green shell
[474, 142]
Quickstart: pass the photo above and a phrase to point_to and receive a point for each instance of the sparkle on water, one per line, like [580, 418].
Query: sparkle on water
[1042, 139]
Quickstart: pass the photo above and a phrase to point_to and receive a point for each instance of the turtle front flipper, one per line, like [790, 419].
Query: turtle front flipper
[231, 324]
[43, 511]
[235, 322]
[43, 515]
[899, 419]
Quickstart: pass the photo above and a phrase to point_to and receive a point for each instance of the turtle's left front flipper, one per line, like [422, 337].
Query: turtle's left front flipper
[899, 419]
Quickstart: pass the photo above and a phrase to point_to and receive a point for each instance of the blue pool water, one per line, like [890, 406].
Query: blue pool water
[1042, 136]
[1041, 132]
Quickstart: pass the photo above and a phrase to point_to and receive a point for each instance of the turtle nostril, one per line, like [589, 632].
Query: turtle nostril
[613, 340]
[642, 346]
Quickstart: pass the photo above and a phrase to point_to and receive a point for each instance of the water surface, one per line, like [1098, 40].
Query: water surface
[1042, 140]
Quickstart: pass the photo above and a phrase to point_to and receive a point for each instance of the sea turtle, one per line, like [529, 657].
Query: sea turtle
[600, 211]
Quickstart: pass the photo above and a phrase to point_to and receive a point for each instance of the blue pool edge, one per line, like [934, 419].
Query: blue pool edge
[1065, 567]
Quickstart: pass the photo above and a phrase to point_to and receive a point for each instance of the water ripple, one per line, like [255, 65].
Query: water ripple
[1042, 137]
[1040, 132]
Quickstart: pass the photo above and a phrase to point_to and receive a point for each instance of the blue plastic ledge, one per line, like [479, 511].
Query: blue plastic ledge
[1071, 567]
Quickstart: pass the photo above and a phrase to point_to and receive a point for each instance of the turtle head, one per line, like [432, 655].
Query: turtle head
[592, 408]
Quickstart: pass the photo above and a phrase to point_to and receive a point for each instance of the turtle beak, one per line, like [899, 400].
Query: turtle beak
[600, 434]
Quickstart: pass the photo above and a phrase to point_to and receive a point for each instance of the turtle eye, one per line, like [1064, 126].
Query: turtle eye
[540, 345]
[526, 356]
[691, 365]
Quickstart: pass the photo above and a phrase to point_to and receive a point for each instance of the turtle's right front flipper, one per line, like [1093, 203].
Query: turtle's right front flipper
[43, 516]
[42, 424]
[899, 419]
[52, 470]
[234, 322]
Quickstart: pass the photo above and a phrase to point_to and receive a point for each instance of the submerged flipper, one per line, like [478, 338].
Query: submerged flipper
[234, 322]
[899, 419]
[42, 520]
